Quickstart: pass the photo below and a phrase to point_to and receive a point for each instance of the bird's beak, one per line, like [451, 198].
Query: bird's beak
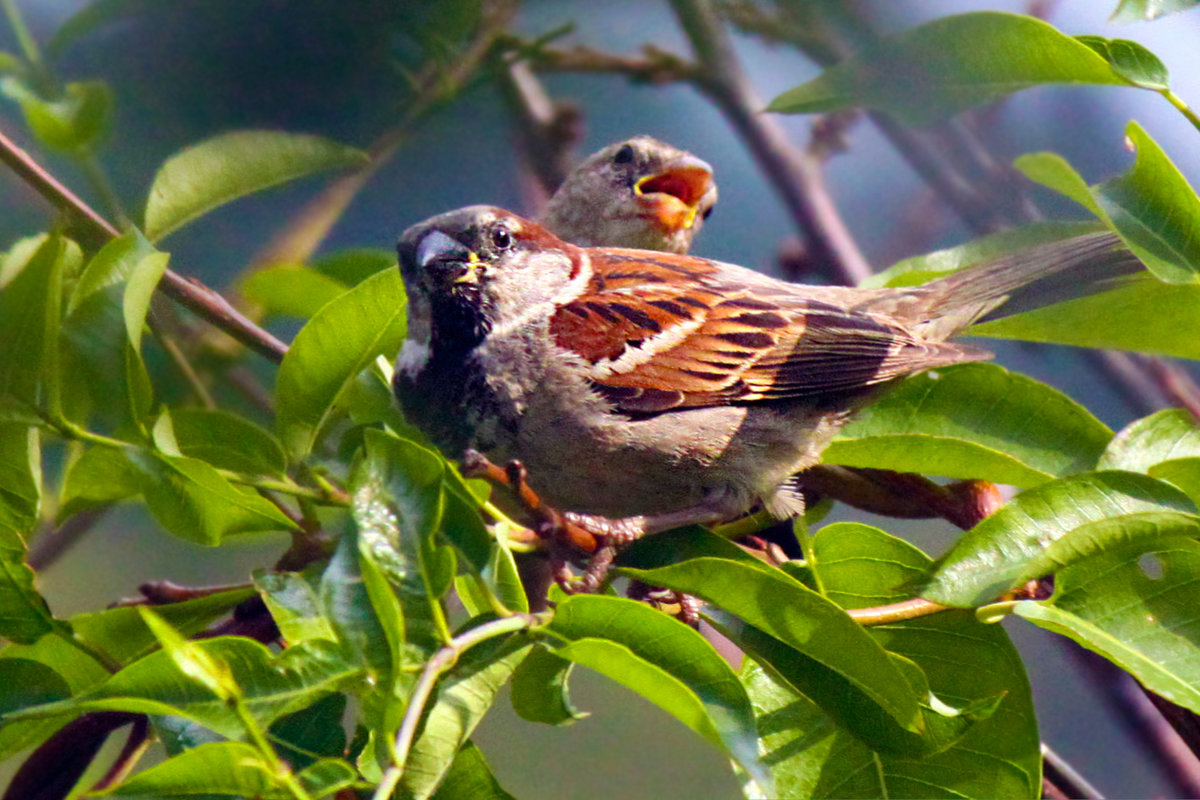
[673, 195]
[447, 258]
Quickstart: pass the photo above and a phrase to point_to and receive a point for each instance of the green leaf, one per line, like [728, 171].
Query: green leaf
[20, 479]
[76, 121]
[346, 605]
[79, 671]
[291, 290]
[1134, 605]
[29, 683]
[397, 506]
[950, 656]
[101, 475]
[228, 769]
[312, 732]
[121, 633]
[539, 689]
[24, 615]
[465, 694]
[973, 421]
[139, 288]
[1142, 444]
[271, 685]
[951, 64]
[353, 266]
[30, 309]
[330, 351]
[193, 501]
[1151, 207]
[1139, 10]
[781, 607]
[1044, 529]
[924, 268]
[93, 16]
[1131, 61]
[102, 371]
[227, 441]
[664, 661]
[1144, 315]
[1155, 211]
[295, 605]
[470, 778]
[232, 165]
[1164, 445]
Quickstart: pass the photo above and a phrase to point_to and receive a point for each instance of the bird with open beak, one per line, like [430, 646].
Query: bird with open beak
[639, 193]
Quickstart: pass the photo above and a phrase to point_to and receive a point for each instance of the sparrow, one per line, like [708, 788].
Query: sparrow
[635, 193]
[645, 390]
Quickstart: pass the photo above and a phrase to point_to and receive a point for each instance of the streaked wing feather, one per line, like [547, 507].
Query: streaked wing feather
[725, 335]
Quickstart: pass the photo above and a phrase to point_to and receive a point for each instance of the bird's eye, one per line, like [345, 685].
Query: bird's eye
[707, 212]
[624, 155]
[501, 238]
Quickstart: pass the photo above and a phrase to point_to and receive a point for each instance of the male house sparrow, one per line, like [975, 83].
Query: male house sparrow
[636, 193]
[658, 389]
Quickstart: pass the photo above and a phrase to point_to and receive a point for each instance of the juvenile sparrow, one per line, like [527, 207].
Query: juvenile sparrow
[658, 389]
[636, 193]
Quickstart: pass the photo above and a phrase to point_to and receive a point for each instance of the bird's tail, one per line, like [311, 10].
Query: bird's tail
[1024, 281]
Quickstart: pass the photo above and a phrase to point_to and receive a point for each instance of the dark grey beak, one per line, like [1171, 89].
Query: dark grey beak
[436, 246]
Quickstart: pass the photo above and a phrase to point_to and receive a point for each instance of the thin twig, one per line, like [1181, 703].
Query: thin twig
[1066, 778]
[94, 230]
[799, 179]
[49, 547]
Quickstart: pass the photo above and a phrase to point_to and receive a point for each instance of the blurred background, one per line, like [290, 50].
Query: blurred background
[188, 69]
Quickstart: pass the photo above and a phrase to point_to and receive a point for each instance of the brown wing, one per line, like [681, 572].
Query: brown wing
[662, 331]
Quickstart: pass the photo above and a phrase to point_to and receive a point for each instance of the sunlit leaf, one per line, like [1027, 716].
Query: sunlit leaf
[781, 607]
[1056, 524]
[194, 502]
[271, 685]
[664, 661]
[231, 165]
[962, 662]
[465, 694]
[951, 64]
[1135, 605]
[330, 351]
[1151, 207]
[973, 421]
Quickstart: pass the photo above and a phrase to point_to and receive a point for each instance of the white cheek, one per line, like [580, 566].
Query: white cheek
[413, 357]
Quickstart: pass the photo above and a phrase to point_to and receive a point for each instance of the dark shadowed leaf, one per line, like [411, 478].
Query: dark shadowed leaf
[312, 732]
[470, 778]
[539, 689]
[271, 685]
